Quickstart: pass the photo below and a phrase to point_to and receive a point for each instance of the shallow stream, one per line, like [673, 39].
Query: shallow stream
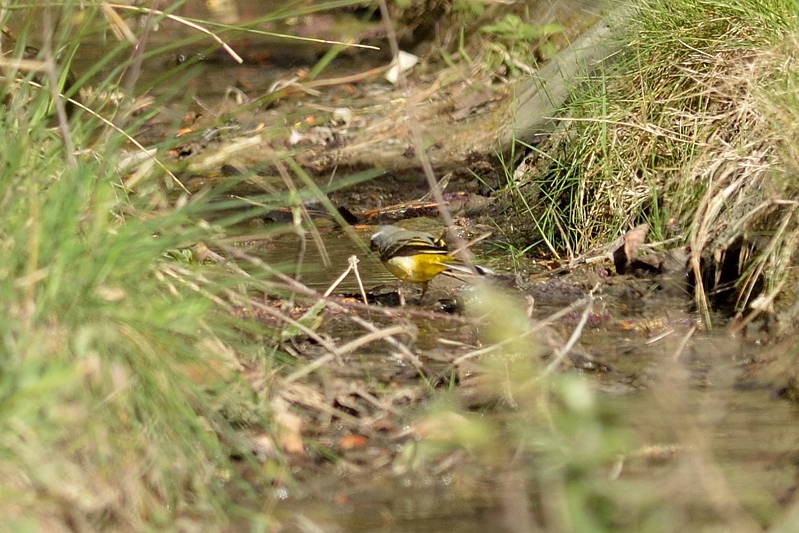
[707, 436]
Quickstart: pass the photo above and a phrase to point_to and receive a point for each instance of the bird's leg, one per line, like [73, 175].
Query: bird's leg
[424, 291]
[401, 294]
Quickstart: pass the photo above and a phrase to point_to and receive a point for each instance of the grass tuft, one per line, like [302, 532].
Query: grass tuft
[685, 130]
[120, 400]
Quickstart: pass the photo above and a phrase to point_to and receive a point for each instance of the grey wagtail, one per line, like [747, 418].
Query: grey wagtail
[416, 256]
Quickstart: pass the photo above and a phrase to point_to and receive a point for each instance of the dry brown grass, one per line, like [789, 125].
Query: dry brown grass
[691, 127]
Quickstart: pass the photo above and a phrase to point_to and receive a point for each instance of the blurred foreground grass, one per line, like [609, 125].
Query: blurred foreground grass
[118, 396]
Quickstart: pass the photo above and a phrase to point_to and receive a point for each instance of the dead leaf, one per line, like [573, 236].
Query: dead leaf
[625, 253]
[348, 442]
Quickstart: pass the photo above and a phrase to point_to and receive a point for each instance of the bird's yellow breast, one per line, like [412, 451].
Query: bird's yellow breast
[417, 268]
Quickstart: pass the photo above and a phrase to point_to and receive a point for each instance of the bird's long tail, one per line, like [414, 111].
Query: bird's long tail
[457, 266]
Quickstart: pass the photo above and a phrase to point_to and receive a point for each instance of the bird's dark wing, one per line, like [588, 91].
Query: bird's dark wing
[415, 245]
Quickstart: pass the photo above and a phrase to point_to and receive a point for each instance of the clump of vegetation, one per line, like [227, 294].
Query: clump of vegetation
[504, 41]
[121, 401]
[688, 130]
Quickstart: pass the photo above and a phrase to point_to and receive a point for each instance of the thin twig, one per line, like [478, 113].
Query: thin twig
[534, 329]
[299, 288]
[472, 242]
[119, 130]
[338, 281]
[52, 79]
[371, 398]
[347, 348]
[353, 260]
[309, 368]
[236, 57]
[137, 57]
[239, 300]
[561, 352]
[371, 337]
[353, 267]
[658, 338]
[299, 394]
[328, 346]
[684, 341]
